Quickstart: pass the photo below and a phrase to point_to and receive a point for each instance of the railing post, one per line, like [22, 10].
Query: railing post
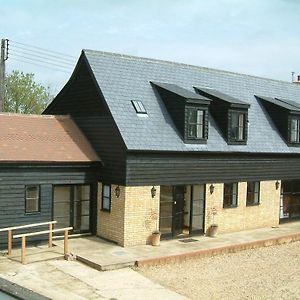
[9, 241]
[50, 236]
[66, 246]
[23, 253]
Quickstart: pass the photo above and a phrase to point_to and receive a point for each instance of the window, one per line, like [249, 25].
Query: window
[139, 107]
[230, 194]
[237, 129]
[32, 199]
[106, 197]
[252, 193]
[295, 131]
[196, 123]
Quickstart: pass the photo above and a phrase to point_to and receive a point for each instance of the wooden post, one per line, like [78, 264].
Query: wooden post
[23, 254]
[50, 236]
[9, 241]
[66, 246]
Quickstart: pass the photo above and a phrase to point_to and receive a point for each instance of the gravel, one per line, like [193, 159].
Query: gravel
[264, 273]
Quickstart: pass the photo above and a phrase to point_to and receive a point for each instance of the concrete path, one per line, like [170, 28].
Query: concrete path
[65, 280]
[103, 255]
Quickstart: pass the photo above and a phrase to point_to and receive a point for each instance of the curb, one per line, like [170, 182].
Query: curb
[232, 248]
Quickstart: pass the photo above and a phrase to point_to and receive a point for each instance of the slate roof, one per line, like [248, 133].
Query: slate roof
[36, 138]
[227, 98]
[286, 104]
[122, 78]
[180, 91]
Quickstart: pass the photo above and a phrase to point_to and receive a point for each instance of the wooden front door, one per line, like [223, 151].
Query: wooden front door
[178, 210]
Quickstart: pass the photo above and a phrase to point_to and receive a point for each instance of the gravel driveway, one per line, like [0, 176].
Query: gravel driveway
[264, 273]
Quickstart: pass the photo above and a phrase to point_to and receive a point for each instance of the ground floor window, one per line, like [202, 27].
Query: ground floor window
[230, 195]
[253, 190]
[32, 198]
[106, 197]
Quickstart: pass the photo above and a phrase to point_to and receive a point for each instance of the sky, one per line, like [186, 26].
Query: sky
[257, 37]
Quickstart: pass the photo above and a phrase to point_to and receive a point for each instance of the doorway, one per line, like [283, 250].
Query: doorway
[72, 207]
[290, 200]
[182, 210]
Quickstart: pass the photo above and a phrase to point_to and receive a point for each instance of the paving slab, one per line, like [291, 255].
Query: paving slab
[104, 255]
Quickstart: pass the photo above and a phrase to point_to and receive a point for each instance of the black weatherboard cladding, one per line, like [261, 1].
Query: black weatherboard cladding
[14, 178]
[82, 99]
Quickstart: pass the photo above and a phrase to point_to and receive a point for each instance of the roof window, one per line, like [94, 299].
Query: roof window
[139, 107]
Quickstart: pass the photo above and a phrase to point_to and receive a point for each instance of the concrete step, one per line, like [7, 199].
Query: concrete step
[231, 248]
[105, 267]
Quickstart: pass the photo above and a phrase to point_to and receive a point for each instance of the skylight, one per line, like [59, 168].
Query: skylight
[139, 107]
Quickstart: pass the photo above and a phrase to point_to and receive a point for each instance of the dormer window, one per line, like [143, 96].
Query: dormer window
[237, 129]
[188, 110]
[231, 114]
[195, 123]
[295, 130]
[286, 116]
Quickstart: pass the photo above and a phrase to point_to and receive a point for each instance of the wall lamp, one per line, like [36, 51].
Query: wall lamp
[117, 191]
[277, 184]
[211, 188]
[153, 192]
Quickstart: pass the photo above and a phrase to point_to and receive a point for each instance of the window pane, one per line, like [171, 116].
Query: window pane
[32, 205]
[192, 131]
[32, 192]
[105, 203]
[82, 192]
[230, 194]
[295, 136]
[192, 116]
[237, 126]
[106, 191]
[199, 133]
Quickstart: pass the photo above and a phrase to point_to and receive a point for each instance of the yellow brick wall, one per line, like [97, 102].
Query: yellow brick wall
[133, 216]
[110, 225]
[243, 217]
[141, 215]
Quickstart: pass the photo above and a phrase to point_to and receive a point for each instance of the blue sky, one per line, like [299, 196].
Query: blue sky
[257, 37]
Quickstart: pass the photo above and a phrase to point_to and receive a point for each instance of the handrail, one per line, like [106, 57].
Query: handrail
[50, 231]
[27, 226]
[41, 232]
[10, 229]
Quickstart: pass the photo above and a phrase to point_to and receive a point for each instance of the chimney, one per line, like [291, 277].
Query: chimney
[298, 80]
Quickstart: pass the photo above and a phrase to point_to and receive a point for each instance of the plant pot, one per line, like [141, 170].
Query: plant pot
[213, 230]
[155, 239]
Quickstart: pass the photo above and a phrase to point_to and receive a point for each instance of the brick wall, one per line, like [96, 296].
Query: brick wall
[133, 216]
[243, 217]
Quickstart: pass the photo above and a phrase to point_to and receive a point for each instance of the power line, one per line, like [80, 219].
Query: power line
[42, 54]
[43, 49]
[40, 61]
[39, 65]
[43, 58]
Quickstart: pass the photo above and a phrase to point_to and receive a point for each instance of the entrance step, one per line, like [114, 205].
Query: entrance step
[212, 251]
[105, 267]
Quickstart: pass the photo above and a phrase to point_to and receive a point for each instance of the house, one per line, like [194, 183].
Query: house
[179, 143]
[46, 163]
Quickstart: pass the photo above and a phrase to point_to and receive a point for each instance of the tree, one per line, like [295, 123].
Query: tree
[24, 95]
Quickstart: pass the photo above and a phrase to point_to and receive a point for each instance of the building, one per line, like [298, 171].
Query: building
[132, 145]
[46, 163]
[180, 143]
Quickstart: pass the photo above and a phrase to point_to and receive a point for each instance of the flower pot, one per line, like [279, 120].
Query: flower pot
[155, 239]
[213, 230]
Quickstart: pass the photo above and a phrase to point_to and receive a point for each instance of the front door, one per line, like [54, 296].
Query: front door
[178, 210]
[71, 207]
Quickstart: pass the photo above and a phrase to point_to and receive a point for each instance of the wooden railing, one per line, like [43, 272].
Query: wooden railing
[10, 232]
[50, 232]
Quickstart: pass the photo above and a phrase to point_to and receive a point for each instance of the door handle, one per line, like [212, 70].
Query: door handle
[174, 202]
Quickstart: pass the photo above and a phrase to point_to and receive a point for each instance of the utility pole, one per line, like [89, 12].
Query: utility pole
[3, 58]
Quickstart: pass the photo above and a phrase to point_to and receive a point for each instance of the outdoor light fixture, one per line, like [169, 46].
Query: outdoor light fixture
[211, 188]
[153, 192]
[277, 184]
[118, 191]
